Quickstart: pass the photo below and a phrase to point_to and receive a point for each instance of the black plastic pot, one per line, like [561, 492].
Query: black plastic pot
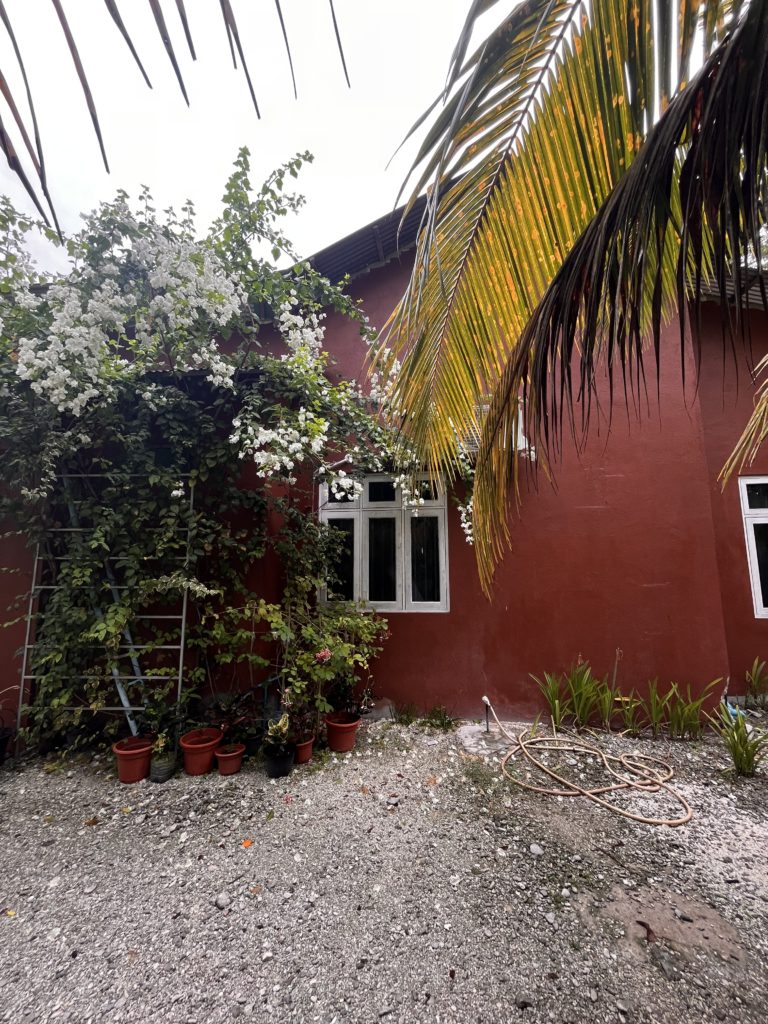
[6, 735]
[162, 767]
[278, 761]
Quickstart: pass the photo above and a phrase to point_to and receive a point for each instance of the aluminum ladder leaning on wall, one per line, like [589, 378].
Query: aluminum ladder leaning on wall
[120, 680]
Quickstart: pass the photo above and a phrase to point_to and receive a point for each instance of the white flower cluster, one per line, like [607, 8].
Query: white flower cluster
[412, 498]
[302, 332]
[68, 365]
[382, 384]
[277, 451]
[174, 291]
[345, 487]
[467, 522]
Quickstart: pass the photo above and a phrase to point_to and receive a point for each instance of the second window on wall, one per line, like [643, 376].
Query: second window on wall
[394, 558]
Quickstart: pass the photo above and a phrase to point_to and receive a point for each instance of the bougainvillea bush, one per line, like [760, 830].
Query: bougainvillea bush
[152, 446]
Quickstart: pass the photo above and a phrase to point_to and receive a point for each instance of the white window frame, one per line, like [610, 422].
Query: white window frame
[751, 518]
[362, 511]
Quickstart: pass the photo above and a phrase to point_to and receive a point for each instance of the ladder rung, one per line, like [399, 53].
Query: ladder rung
[111, 678]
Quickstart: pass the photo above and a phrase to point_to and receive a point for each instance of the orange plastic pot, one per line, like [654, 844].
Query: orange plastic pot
[304, 751]
[134, 757]
[230, 760]
[341, 727]
[198, 746]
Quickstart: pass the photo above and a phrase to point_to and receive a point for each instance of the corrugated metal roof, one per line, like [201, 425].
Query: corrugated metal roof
[371, 246]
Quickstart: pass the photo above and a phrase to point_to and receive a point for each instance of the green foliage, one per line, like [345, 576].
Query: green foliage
[605, 702]
[581, 687]
[552, 690]
[685, 720]
[631, 708]
[757, 682]
[747, 747]
[438, 718]
[655, 707]
[404, 714]
[133, 476]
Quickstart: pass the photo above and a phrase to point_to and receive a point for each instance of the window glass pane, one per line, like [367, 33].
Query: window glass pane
[425, 559]
[344, 569]
[381, 490]
[757, 495]
[761, 546]
[382, 560]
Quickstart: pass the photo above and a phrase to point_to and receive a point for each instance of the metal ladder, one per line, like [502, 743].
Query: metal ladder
[33, 613]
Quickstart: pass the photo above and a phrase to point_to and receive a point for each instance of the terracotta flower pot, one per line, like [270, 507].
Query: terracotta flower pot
[341, 727]
[198, 746]
[230, 758]
[304, 751]
[134, 757]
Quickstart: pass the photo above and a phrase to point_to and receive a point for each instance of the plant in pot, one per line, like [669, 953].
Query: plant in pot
[163, 719]
[352, 639]
[230, 758]
[278, 749]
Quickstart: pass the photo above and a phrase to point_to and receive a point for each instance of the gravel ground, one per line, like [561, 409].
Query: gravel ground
[405, 883]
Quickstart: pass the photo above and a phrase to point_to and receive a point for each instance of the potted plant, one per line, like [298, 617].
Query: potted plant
[163, 763]
[198, 746]
[278, 749]
[230, 758]
[134, 756]
[6, 734]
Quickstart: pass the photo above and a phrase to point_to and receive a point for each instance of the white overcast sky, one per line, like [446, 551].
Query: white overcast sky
[397, 54]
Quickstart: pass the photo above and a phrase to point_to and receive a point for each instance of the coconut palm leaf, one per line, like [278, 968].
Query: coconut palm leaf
[697, 180]
[542, 122]
[36, 184]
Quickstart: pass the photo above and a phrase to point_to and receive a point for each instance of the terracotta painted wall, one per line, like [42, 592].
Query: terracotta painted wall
[15, 578]
[726, 403]
[622, 554]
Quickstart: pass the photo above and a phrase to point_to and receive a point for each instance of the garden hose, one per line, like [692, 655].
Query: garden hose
[640, 772]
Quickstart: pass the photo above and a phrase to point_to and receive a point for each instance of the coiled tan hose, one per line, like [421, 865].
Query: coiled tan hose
[644, 774]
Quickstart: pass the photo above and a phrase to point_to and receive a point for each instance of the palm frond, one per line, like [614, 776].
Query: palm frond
[36, 185]
[538, 129]
[698, 183]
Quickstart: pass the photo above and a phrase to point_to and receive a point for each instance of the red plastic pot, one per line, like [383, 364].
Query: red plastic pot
[230, 758]
[304, 751]
[341, 727]
[198, 746]
[134, 757]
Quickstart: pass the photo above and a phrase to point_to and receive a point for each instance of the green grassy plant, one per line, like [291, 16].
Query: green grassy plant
[403, 714]
[631, 710]
[605, 702]
[746, 747]
[582, 689]
[438, 718]
[685, 713]
[655, 708]
[551, 687]
[757, 682]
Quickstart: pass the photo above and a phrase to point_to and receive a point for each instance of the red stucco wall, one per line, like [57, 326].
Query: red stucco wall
[635, 548]
[726, 401]
[15, 579]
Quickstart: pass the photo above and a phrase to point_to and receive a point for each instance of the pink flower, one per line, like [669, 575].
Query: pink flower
[323, 656]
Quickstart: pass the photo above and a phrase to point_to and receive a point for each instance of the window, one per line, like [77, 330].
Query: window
[754, 509]
[394, 558]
